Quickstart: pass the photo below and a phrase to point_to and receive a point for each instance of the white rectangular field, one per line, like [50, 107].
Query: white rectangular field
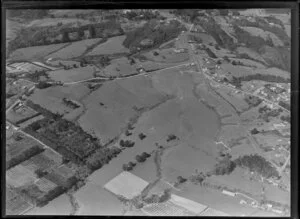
[188, 204]
[126, 184]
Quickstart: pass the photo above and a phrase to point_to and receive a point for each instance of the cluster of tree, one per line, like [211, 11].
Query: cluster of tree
[25, 155]
[70, 103]
[216, 31]
[142, 136]
[236, 81]
[179, 181]
[154, 31]
[35, 196]
[257, 163]
[210, 53]
[197, 178]
[43, 85]
[155, 198]
[251, 41]
[286, 118]
[254, 131]
[264, 77]
[171, 137]
[187, 14]
[35, 77]
[142, 15]
[101, 157]
[253, 101]
[285, 105]
[142, 158]
[225, 166]
[129, 166]
[126, 143]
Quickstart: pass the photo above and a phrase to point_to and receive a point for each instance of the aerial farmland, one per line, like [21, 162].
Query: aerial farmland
[137, 112]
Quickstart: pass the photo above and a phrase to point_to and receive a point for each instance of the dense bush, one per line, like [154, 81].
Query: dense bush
[225, 166]
[154, 31]
[257, 163]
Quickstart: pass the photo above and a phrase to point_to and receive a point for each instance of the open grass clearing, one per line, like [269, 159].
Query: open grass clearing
[74, 74]
[146, 170]
[120, 67]
[95, 200]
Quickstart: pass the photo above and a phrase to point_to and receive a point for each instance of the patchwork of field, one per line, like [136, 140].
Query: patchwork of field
[15, 204]
[74, 74]
[27, 66]
[74, 50]
[165, 209]
[111, 46]
[35, 52]
[19, 113]
[51, 98]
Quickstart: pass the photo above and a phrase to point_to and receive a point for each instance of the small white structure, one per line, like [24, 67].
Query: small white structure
[226, 192]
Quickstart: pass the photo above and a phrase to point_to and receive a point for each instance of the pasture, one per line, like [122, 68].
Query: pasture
[74, 74]
[119, 67]
[19, 176]
[167, 56]
[51, 98]
[58, 206]
[35, 52]
[111, 46]
[19, 113]
[126, 185]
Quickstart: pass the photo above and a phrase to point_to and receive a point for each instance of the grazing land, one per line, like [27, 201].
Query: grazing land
[182, 112]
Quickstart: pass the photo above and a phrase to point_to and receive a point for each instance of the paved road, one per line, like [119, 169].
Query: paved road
[123, 77]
